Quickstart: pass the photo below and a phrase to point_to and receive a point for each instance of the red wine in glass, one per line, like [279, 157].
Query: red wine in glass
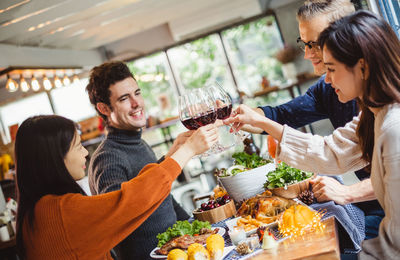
[224, 112]
[190, 124]
[206, 119]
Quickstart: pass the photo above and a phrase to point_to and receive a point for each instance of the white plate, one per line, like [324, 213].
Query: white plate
[153, 254]
[233, 222]
[221, 231]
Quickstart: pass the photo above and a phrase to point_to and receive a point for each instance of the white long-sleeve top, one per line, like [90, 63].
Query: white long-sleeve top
[340, 153]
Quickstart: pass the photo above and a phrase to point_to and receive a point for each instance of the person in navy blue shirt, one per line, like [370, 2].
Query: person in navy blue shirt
[321, 102]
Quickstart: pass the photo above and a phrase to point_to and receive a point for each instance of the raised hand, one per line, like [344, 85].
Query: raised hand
[202, 139]
[243, 115]
[197, 143]
[180, 139]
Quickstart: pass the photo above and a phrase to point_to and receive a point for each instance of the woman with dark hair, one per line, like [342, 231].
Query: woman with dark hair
[362, 56]
[55, 219]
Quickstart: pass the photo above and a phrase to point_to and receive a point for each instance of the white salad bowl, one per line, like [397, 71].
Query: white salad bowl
[247, 184]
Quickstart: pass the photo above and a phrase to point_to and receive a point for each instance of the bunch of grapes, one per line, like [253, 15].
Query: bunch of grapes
[212, 204]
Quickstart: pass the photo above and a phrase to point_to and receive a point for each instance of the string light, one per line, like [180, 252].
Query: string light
[35, 84]
[24, 85]
[66, 80]
[11, 84]
[46, 83]
[57, 82]
[75, 80]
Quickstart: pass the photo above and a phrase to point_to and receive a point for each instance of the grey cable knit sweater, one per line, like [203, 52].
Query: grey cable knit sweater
[119, 158]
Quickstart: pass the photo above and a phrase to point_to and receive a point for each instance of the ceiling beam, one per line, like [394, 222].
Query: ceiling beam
[13, 56]
[139, 21]
[33, 38]
[55, 10]
[205, 15]
[147, 6]
[8, 3]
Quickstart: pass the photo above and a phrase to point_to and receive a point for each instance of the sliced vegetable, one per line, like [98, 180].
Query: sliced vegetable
[235, 169]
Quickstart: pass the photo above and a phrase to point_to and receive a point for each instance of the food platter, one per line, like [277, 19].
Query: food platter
[154, 255]
[233, 222]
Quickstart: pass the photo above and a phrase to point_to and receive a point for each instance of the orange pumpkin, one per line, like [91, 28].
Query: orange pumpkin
[297, 219]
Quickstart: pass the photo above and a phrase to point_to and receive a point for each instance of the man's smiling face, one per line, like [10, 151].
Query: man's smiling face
[309, 32]
[127, 109]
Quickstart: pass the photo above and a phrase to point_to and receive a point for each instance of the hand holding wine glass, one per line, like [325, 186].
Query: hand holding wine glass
[243, 115]
[224, 108]
[197, 109]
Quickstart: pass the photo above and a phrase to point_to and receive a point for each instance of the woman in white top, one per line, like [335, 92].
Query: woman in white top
[362, 56]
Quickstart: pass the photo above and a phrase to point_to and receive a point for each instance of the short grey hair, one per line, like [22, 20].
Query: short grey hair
[332, 9]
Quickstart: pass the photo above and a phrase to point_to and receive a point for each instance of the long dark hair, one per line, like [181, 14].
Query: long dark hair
[40, 147]
[364, 35]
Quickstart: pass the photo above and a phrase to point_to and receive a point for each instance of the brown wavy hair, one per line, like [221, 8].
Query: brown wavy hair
[364, 35]
[100, 80]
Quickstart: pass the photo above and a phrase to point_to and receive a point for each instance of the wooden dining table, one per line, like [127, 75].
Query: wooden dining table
[322, 245]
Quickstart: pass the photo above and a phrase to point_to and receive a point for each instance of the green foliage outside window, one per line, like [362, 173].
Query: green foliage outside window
[202, 62]
[155, 82]
[251, 49]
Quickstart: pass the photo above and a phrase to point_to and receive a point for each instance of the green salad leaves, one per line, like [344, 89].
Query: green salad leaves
[285, 175]
[249, 161]
[181, 228]
[243, 162]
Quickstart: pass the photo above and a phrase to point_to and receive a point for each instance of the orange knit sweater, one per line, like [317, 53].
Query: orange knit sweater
[74, 226]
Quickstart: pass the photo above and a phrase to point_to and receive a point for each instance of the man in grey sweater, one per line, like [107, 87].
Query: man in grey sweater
[116, 96]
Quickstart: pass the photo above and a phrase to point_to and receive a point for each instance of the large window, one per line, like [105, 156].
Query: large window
[17, 112]
[391, 12]
[251, 49]
[70, 101]
[73, 102]
[202, 62]
[157, 85]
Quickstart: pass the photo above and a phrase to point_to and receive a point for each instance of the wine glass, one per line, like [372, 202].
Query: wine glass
[224, 109]
[223, 103]
[196, 109]
[185, 113]
[203, 108]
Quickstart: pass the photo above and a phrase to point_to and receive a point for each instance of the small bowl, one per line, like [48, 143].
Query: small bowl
[216, 215]
[292, 191]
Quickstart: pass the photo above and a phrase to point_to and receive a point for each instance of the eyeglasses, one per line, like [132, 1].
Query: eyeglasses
[310, 44]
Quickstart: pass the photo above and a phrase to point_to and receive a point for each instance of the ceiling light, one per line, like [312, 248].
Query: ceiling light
[35, 84]
[66, 80]
[57, 82]
[46, 83]
[11, 84]
[13, 6]
[76, 80]
[24, 84]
